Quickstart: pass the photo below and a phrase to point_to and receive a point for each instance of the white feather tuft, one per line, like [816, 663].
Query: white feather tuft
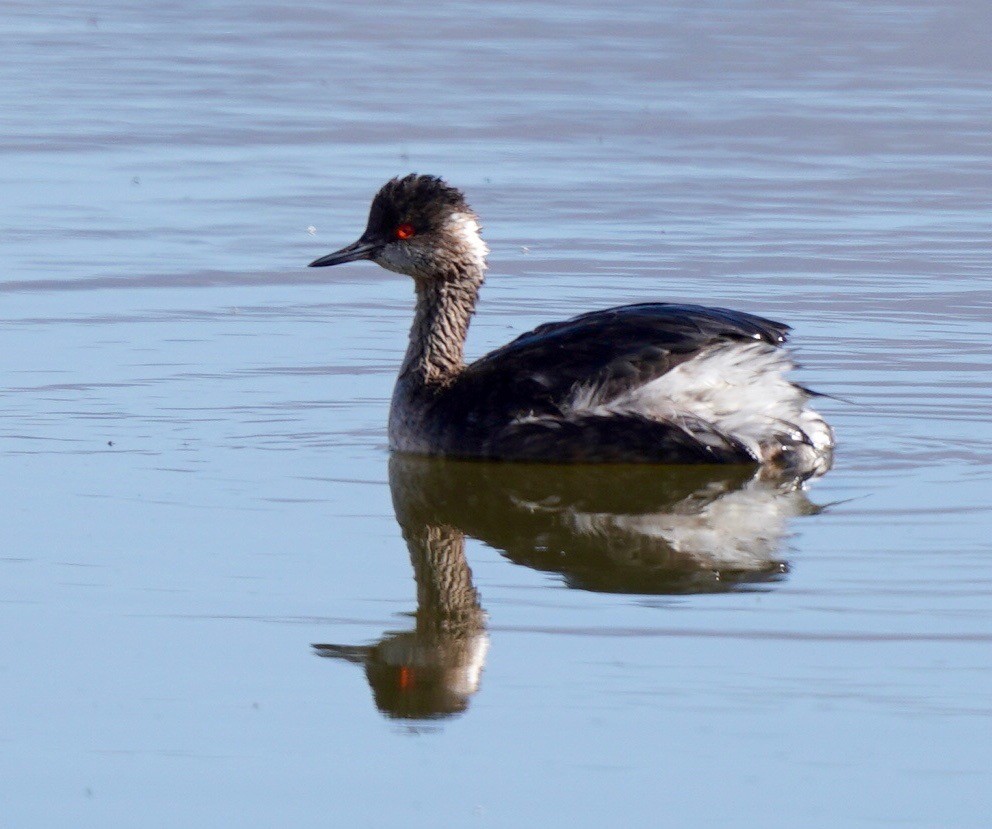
[739, 389]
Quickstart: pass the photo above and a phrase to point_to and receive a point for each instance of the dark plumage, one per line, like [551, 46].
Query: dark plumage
[654, 382]
[423, 201]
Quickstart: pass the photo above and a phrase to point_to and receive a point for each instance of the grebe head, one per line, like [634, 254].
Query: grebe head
[420, 226]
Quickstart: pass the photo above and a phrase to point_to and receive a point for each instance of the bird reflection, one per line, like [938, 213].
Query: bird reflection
[432, 670]
[615, 529]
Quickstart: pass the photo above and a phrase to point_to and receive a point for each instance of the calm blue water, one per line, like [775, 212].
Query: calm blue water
[193, 469]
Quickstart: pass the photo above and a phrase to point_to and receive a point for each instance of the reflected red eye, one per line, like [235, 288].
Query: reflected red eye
[405, 231]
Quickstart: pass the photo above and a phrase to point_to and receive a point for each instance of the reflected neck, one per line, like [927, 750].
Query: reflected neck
[446, 596]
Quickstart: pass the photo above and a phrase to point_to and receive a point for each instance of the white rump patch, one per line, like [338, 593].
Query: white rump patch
[739, 389]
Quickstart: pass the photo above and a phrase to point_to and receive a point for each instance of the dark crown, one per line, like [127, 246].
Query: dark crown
[425, 201]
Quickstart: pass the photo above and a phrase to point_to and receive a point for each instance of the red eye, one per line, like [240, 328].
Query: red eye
[405, 231]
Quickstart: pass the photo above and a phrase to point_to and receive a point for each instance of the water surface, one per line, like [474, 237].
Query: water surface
[192, 425]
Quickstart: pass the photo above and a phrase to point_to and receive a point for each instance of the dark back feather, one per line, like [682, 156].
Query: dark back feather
[616, 349]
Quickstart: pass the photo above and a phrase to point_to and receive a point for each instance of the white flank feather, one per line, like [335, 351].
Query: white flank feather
[739, 389]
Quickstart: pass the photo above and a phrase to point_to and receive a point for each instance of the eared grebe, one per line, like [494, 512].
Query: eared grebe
[650, 383]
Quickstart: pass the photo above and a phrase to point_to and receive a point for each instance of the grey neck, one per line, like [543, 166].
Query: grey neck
[440, 327]
[446, 597]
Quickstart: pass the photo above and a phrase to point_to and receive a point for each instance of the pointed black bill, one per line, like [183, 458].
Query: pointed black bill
[361, 249]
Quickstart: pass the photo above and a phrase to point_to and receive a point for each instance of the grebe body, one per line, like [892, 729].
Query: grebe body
[646, 383]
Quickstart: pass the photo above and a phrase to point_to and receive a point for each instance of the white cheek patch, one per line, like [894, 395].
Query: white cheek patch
[465, 228]
[462, 232]
[465, 678]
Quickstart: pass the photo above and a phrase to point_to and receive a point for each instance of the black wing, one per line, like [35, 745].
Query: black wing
[615, 349]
